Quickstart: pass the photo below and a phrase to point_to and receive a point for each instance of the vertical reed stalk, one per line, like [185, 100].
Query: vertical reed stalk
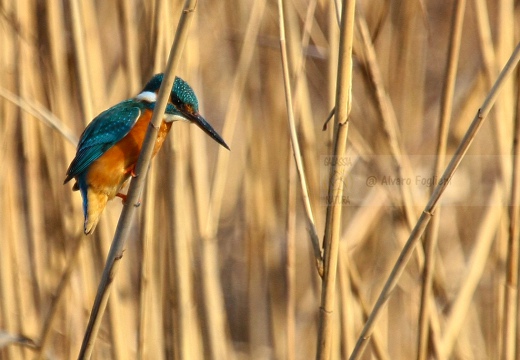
[290, 253]
[336, 180]
[81, 61]
[510, 317]
[296, 146]
[51, 318]
[177, 206]
[214, 304]
[430, 241]
[148, 236]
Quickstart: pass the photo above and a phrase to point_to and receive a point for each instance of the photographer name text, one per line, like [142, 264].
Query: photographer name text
[388, 180]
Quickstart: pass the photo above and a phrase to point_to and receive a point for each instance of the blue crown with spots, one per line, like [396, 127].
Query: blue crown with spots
[182, 93]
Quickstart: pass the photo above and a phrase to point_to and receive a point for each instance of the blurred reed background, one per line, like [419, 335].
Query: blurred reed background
[206, 274]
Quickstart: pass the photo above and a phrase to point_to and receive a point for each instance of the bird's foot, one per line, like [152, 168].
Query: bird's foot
[131, 171]
[124, 198]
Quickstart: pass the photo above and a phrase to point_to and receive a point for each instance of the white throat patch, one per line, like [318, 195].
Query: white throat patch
[148, 96]
[171, 118]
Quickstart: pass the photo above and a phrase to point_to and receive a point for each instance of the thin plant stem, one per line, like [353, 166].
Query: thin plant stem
[214, 307]
[39, 112]
[510, 318]
[430, 207]
[131, 42]
[296, 145]
[357, 229]
[400, 161]
[336, 181]
[476, 265]
[147, 240]
[60, 292]
[81, 60]
[185, 320]
[430, 242]
[389, 120]
[290, 269]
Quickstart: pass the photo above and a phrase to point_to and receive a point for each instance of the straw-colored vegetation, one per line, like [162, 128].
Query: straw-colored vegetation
[220, 262]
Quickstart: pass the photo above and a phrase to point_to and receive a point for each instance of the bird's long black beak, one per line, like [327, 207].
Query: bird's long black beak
[207, 128]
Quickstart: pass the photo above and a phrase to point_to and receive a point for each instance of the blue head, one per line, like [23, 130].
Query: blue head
[182, 104]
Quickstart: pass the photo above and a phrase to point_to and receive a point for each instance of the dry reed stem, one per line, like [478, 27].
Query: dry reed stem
[475, 269]
[7, 268]
[7, 339]
[56, 28]
[147, 240]
[154, 282]
[42, 114]
[232, 115]
[505, 104]
[490, 62]
[130, 44]
[27, 85]
[291, 213]
[52, 315]
[487, 49]
[94, 61]
[510, 317]
[215, 335]
[215, 323]
[53, 84]
[430, 240]
[258, 322]
[335, 191]
[388, 118]
[123, 228]
[346, 307]
[296, 145]
[333, 16]
[81, 61]
[357, 230]
[290, 352]
[432, 203]
[303, 102]
[177, 206]
[401, 163]
[118, 324]
[507, 36]
[214, 308]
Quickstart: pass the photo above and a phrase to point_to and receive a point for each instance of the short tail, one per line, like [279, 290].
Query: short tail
[93, 205]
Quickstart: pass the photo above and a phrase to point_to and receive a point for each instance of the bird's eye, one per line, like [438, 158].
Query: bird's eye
[175, 101]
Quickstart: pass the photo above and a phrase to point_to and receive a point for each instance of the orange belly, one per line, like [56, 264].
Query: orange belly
[108, 174]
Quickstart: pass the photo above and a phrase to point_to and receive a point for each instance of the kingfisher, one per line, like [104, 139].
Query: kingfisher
[110, 145]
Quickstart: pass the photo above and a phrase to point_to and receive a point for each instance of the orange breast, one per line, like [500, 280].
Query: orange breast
[108, 173]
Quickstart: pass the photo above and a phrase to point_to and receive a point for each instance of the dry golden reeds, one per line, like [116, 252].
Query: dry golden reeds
[220, 262]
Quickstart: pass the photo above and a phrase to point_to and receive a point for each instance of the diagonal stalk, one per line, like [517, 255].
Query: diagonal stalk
[428, 211]
[125, 221]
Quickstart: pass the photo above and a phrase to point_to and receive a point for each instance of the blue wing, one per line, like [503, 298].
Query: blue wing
[102, 133]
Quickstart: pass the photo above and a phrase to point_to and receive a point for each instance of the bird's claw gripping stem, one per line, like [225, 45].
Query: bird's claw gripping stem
[131, 171]
[124, 197]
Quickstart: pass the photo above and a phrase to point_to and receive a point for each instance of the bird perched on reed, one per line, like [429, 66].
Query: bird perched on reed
[110, 145]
